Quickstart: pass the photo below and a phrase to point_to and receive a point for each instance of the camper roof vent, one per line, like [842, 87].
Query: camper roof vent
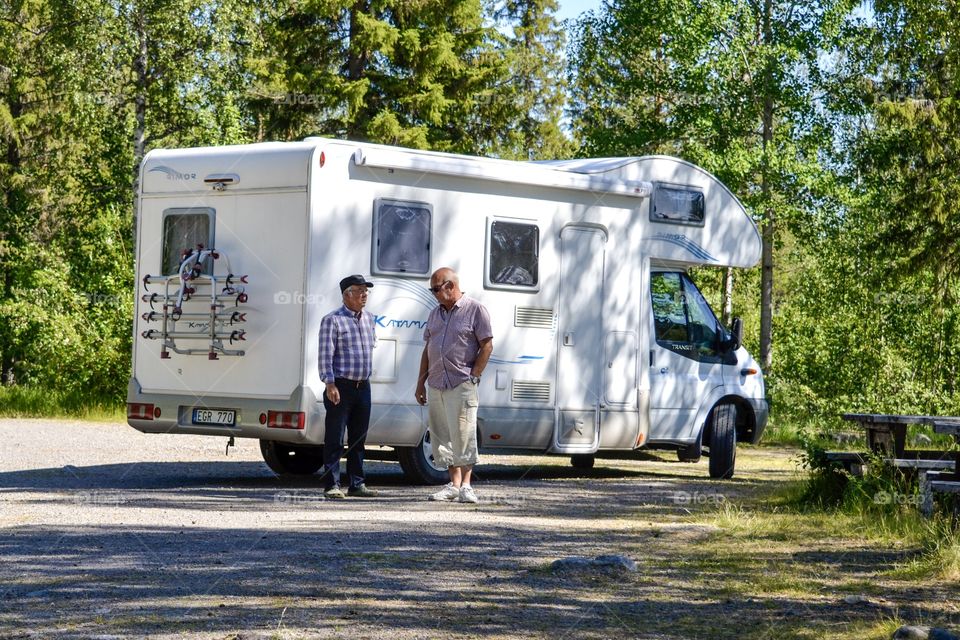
[530, 391]
[533, 317]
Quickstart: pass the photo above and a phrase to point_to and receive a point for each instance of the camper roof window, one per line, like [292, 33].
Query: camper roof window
[677, 205]
[401, 236]
[514, 255]
[184, 229]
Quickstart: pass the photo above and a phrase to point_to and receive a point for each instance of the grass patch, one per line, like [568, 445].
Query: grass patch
[32, 402]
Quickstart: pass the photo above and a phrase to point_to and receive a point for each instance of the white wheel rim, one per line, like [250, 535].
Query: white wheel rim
[428, 452]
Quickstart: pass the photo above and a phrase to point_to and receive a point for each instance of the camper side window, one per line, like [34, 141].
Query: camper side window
[401, 236]
[684, 321]
[677, 205]
[184, 229]
[513, 258]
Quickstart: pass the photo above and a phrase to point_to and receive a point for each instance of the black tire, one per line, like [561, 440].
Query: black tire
[582, 461]
[417, 463]
[723, 441]
[286, 459]
[690, 452]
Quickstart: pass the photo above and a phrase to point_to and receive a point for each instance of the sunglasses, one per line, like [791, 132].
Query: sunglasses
[439, 287]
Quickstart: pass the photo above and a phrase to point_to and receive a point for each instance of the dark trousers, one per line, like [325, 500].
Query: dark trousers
[352, 414]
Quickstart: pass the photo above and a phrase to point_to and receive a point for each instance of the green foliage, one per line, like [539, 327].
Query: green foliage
[87, 88]
[827, 483]
[23, 401]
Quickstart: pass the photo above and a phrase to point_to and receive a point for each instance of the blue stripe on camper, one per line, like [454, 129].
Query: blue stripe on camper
[685, 243]
[520, 360]
[420, 293]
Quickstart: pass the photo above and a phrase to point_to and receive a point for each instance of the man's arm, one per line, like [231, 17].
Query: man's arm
[421, 392]
[327, 346]
[483, 356]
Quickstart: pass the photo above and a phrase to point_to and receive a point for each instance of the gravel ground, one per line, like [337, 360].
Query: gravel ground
[106, 532]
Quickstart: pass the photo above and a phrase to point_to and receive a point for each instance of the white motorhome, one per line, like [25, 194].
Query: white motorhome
[602, 343]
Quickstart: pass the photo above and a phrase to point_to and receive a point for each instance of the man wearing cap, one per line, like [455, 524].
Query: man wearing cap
[346, 353]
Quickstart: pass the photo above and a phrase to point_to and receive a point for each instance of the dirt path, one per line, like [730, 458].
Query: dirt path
[106, 532]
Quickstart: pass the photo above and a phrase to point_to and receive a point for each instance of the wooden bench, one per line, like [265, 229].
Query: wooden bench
[887, 435]
[944, 481]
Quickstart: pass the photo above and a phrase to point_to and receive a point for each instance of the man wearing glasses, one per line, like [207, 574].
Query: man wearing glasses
[346, 354]
[459, 342]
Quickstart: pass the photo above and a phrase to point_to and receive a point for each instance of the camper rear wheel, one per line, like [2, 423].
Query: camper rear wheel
[582, 461]
[291, 460]
[418, 465]
[723, 441]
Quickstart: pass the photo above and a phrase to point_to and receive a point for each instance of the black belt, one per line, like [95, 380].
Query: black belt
[348, 381]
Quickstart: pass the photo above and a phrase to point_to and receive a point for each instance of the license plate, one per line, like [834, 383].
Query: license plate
[226, 417]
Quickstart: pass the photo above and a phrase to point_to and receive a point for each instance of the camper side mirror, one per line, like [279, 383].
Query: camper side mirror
[736, 334]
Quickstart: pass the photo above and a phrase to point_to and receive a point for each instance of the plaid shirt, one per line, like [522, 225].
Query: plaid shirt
[346, 345]
[453, 341]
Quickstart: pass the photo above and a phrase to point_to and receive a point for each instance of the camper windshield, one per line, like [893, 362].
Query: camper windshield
[684, 321]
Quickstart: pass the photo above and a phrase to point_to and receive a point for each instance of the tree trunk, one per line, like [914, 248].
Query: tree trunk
[356, 67]
[15, 205]
[727, 297]
[768, 228]
[141, 82]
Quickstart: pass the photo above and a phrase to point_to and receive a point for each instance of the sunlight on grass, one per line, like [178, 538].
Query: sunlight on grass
[30, 402]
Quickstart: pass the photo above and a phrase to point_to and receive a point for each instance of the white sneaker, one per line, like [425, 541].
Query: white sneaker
[467, 494]
[448, 494]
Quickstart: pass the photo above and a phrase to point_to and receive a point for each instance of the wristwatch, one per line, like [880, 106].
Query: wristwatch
[475, 379]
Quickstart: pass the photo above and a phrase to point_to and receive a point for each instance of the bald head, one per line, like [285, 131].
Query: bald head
[445, 273]
[446, 286]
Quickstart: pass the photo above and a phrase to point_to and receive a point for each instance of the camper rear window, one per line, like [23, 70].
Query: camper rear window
[401, 236]
[184, 229]
[514, 257]
[677, 205]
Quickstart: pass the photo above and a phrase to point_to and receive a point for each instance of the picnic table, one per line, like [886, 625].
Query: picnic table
[947, 481]
[938, 471]
[886, 433]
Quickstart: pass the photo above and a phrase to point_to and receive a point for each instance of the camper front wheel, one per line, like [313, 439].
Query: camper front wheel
[417, 463]
[291, 460]
[723, 441]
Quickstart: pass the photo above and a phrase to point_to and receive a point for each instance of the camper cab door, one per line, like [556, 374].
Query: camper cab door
[686, 356]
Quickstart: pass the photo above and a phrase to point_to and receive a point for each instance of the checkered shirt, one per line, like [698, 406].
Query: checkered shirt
[346, 345]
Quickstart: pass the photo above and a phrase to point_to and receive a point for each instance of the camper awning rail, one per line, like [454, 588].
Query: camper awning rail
[499, 171]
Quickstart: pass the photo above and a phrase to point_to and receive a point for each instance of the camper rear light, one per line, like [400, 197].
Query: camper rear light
[140, 411]
[286, 419]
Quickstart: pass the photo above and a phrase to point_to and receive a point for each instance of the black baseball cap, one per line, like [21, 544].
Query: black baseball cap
[350, 281]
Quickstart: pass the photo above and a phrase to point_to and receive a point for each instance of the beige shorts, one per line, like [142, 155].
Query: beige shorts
[453, 425]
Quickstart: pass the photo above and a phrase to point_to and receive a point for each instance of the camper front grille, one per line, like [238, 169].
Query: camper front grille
[533, 317]
[530, 391]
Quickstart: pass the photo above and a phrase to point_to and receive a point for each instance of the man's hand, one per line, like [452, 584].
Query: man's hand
[421, 394]
[333, 394]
